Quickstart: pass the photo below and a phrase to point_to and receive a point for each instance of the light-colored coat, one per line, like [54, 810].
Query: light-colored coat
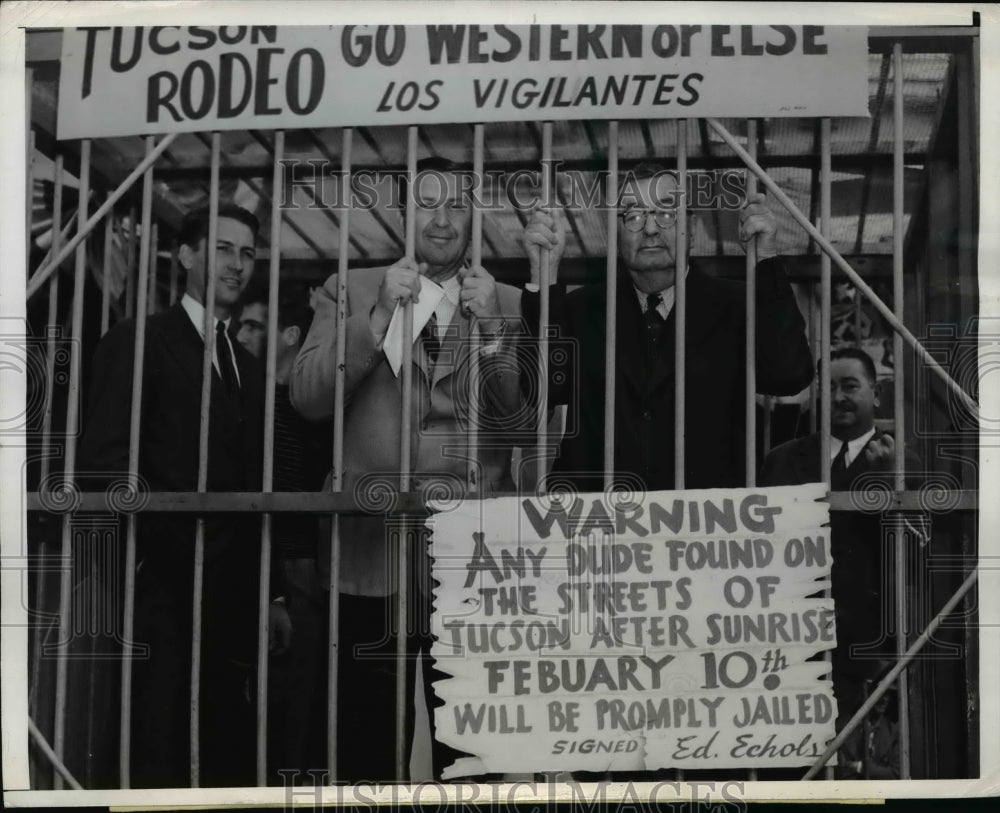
[439, 416]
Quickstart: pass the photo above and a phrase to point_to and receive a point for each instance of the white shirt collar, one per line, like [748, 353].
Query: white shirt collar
[452, 288]
[667, 298]
[196, 313]
[448, 304]
[854, 447]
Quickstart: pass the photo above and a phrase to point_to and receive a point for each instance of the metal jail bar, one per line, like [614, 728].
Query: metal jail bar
[206, 399]
[109, 234]
[750, 424]
[52, 321]
[72, 430]
[751, 330]
[343, 269]
[130, 266]
[476, 256]
[151, 255]
[268, 472]
[544, 298]
[135, 424]
[680, 305]
[52, 324]
[825, 305]
[899, 403]
[611, 307]
[402, 593]
[29, 163]
[174, 272]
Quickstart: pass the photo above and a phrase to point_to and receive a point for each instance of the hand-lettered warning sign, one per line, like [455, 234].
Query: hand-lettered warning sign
[592, 633]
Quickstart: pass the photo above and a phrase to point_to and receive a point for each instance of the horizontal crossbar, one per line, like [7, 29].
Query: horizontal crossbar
[412, 502]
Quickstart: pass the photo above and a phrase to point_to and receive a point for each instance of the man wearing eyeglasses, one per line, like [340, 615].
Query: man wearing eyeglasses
[715, 366]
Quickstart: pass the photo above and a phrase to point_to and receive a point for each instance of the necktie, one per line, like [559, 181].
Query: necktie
[431, 342]
[653, 327]
[838, 469]
[227, 367]
[652, 315]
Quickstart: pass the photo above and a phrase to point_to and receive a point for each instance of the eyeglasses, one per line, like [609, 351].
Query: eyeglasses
[635, 219]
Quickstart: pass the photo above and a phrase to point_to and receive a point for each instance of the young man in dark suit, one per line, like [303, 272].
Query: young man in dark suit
[860, 579]
[168, 461]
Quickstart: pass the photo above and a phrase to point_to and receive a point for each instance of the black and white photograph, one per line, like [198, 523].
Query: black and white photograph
[498, 403]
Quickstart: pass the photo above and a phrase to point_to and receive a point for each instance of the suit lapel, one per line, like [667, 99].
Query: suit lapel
[629, 338]
[808, 462]
[185, 345]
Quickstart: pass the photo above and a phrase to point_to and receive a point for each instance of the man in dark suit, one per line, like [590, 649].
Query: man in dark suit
[168, 461]
[645, 340]
[859, 575]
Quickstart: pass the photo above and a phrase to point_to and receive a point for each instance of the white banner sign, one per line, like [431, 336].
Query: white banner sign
[674, 633]
[161, 79]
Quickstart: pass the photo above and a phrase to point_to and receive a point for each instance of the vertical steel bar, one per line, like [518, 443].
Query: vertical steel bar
[52, 322]
[30, 184]
[402, 591]
[154, 245]
[267, 478]
[611, 307]
[472, 478]
[899, 403]
[751, 327]
[206, 400]
[680, 304]
[135, 424]
[29, 164]
[750, 348]
[544, 274]
[343, 263]
[130, 265]
[825, 300]
[72, 430]
[825, 209]
[109, 242]
[814, 341]
[680, 309]
[174, 271]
